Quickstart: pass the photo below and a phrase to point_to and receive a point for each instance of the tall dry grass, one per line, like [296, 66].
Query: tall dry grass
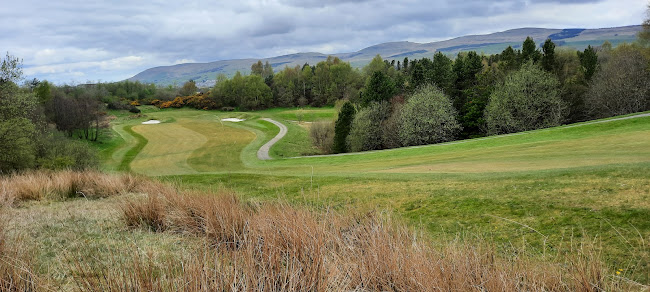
[39, 185]
[16, 265]
[276, 247]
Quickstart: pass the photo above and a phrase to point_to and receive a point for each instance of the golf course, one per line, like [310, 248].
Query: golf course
[541, 190]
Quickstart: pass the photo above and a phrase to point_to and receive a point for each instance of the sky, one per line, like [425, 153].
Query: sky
[79, 41]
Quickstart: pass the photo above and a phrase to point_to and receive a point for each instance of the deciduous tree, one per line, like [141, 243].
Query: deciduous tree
[428, 117]
[621, 86]
[528, 99]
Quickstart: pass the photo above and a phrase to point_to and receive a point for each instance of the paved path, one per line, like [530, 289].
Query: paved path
[263, 153]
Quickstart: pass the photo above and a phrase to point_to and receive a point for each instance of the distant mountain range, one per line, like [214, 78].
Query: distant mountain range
[205, 73]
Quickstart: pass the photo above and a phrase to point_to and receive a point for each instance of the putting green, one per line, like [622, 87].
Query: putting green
[190, 145]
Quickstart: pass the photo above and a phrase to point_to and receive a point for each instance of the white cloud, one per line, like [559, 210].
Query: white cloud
[113, 40]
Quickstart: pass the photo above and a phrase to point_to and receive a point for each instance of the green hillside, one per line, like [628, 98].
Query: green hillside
[548, 187]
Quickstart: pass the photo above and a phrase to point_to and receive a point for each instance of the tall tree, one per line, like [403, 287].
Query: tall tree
[378, 88]
[267, 73]
[257, 68]
[17, 130]
[442, 73]
[621, 86]
[529, 51]
[528, 99]
[189, 88]
[366, 131]
[548, 58]
[510, 59]
[589, 61]
[428, 117]
[342, 127]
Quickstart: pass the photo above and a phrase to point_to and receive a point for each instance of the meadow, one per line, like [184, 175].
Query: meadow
[540, 196]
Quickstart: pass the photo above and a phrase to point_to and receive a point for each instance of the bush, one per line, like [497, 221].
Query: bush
[58, 152]
[322, 135]
[428, 117]
[366, 133]
[529, 99]
[135, 110]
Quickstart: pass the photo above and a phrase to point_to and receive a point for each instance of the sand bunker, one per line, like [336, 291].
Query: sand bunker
[235, 120]
[151, 122]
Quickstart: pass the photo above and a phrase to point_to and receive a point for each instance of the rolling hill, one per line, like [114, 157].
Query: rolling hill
[205, 73]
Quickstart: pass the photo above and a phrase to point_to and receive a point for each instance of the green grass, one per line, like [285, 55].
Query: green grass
[129, 156]
[545, 188]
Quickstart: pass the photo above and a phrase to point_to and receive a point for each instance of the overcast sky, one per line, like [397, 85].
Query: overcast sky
[74, 41]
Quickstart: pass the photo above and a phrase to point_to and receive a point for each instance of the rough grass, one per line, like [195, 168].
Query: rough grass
[275, 247]
[57, 185]
[16, 266]
[168, 239]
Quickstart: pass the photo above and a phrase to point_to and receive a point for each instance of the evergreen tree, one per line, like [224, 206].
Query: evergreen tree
[418, 77]
[589, 62]
[548, 59]
[442, 73]
[509, 59]
[529, 51]
[378, 88]
[342, 127]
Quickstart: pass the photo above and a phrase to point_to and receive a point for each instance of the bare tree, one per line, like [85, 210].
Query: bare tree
[621, 86]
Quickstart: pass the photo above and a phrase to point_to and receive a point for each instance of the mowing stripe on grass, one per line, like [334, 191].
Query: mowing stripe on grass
[125, 164]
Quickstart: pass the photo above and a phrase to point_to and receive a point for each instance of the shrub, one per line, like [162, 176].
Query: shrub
[366, 133]
[322, 135]
[428, 117]
[58, 152]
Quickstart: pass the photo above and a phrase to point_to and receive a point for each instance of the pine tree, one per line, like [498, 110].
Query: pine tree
[589, 61]
[548, 59]
[529, 51]
[378, 88]
[342, 127]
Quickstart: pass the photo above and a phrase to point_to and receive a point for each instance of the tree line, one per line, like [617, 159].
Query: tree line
[425, 101]
[385, 104]
[37, 121]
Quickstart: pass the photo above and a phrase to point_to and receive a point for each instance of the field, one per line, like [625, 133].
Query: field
[536, 193]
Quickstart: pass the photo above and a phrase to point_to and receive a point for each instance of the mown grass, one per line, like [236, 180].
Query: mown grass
[131, 153]
[546, 187]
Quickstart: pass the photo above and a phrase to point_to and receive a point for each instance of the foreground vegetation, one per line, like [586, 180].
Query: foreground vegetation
[153, 236]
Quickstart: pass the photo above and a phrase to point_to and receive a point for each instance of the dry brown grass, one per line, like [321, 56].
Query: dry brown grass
[276, 247]
[39, 185]
[16, 266]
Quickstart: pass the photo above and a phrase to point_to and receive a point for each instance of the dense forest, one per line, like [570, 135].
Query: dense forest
[386, 104]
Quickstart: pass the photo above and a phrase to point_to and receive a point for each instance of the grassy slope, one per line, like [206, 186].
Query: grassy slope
[547, 187]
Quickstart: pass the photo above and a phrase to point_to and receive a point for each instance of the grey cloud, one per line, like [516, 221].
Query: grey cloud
[162, 32]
